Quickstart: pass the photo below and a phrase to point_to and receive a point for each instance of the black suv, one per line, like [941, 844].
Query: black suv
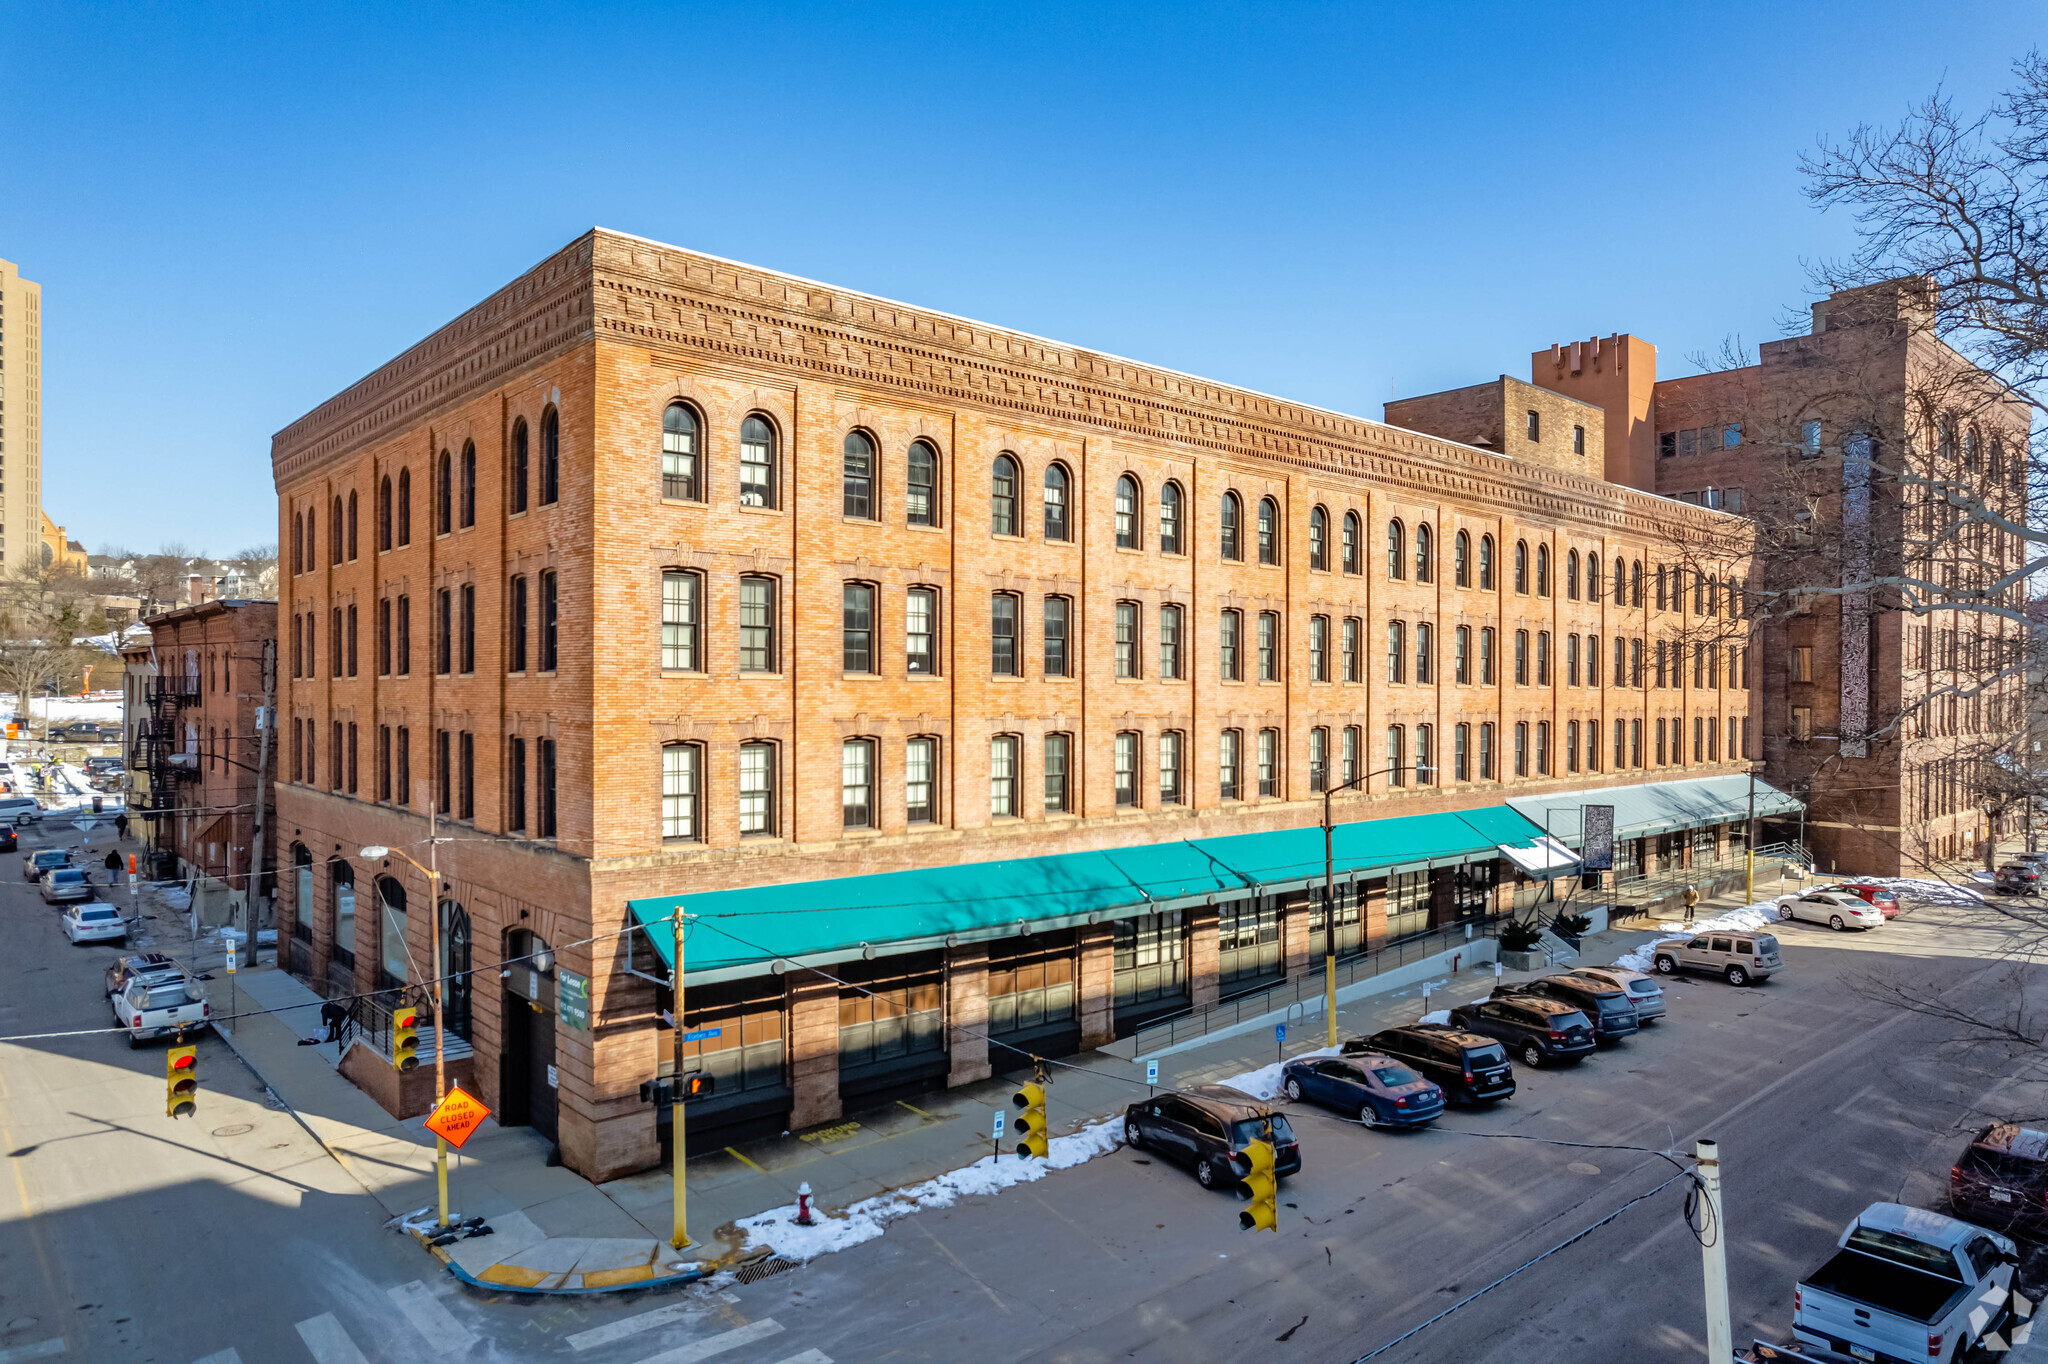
[1467, 1067]
[1540, 1031]
[2001, 1181]
[1613, 1016]
[1208, 1127]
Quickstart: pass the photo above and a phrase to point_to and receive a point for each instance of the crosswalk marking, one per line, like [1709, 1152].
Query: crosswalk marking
[227, 1356]
[714, 1345]
[809, 1357]
[42, 1349]
[645, 1321]
[327, 1342]
[433, 1321]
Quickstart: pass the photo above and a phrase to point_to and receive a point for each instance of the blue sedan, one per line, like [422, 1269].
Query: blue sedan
[1378, 1090]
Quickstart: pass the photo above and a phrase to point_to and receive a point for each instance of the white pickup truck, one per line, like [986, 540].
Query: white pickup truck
[151, 1008]
[1906, 1284]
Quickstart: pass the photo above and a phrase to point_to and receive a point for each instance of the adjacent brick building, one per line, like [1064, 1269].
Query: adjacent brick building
[656, 575]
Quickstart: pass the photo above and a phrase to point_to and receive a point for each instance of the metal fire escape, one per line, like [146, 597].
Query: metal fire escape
[158, 752]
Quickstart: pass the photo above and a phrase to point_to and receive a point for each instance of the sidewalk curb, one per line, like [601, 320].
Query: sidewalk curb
[697, 1273]
[336, 1156]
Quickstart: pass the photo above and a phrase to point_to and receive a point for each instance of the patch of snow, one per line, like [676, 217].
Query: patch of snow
[1926, 888]
[175, 897]
[1436, 1016]
[1749, 918]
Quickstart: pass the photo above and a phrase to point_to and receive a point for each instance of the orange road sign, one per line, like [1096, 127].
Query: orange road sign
[457, 1116]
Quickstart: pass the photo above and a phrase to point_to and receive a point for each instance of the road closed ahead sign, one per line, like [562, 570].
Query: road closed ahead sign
[457, 1116]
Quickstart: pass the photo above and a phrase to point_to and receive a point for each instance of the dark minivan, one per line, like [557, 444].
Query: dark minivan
[1613, 1016]
[2001, 1181]
[1540, 1031]
[1468, 1068]
[1208, 1127]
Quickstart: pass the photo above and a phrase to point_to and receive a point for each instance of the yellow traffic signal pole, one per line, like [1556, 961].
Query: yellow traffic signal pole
[676, 1152]
[433, 874]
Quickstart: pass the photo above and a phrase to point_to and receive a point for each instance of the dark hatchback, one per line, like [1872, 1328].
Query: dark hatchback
[1208, 1127]
[1469, 1068]
[9, 840]
[1608, 1007]
[1542, 1032]
[2001, 1181]
[1377, 1090]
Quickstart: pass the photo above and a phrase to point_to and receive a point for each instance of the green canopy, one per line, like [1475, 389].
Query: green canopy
[1659, 806]
[735, 932]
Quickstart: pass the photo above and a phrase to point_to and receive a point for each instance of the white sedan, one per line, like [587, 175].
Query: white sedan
[1837, 909]
[94, 923]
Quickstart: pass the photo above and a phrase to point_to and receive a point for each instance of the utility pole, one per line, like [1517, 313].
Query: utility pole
[1749, 845]
[1714, 1252]
[681, 1238]
[440, 1023]
[265, 722]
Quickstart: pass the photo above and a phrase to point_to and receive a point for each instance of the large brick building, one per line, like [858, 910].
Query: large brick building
[658, 576]
[1840, 444]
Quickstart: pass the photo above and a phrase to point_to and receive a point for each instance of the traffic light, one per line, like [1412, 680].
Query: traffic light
[1031, 1125]
[698, 1085]
[405, 1038]
[1260, 1185]
[660, 1093]
[181, 1081]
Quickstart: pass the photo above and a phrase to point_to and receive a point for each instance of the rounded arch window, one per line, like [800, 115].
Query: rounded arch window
[1461, 559]
[455, 967]
[858, 476]
[1486, 563]
[1351, 548]
[1230, 527]
[1269, 531]
[1397, 550]
[1522, 566]
[921, 480]
[679, 454]
[1170, 528]
[444, 509]
[1058, 513]
[1425, 554]
[757, 463]
[1571, 574]
[1126, 512]
[393, 956]
[1543, 570]
[1319, 539]
[1003, 497]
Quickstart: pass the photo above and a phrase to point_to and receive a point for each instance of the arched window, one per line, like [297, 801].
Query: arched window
[455, 965]
[392, 954]
[298, 543]
[1522, 567]
[857, 477]
[1319, 540]
[515, 472]
[351, 525]
[1635, 583]
[341, 878]
[1543, 570]
[680, 470]
[1620, 583]
[1425, 652]
[550, 457]
[1486, 563]
[1425, 554]
[1461, 560]
[1057, 483]
[1230, 528]
[1592, 577]
[1397, 550]
[1351, 542]
[1126, 512]
[405, 506]
[468, 488]
[1170, 531]
[1269, 531]
[444, 500]
[757, 463]
[334, 531]
[1002, 497]
[921, 484]
[1571, 574]
[384, 513]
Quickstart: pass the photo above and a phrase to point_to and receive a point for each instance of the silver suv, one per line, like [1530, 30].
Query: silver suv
[1737, 958]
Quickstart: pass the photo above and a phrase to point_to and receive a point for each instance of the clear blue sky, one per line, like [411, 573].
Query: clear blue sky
[234, 212]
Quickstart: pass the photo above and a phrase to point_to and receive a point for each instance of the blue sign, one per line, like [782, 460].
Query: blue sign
[1279, 1032]
[701, 1034]
[999, 1124]
[1152, 1072]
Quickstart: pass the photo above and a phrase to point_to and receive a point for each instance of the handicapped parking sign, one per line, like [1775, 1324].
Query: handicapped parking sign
[1279, 1032]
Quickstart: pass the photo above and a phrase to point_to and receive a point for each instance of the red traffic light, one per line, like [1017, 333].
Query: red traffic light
[405, 1018]
[185, 1062]
[698, 1085]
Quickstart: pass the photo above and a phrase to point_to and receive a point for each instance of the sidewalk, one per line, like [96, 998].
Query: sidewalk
[553, 1231]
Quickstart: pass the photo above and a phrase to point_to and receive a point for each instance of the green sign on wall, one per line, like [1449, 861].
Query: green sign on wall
[572, 1000]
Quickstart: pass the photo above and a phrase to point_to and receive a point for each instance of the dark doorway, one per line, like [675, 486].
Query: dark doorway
[526, 1070]
[455, 966]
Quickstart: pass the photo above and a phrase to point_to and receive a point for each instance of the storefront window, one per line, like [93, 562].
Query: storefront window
[1407, 904]
[1149, 960]
[1247, 942]
[1031, 986]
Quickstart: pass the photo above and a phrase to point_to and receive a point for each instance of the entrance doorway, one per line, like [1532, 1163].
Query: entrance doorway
[526, 1079]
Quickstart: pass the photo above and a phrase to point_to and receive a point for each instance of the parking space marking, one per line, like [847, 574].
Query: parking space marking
[42, 1349]
[646, 1321]
[718, 1344]
[430, 1318]
[327, 1342]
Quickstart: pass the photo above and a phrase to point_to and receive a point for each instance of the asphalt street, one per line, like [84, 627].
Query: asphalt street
[129, 1236]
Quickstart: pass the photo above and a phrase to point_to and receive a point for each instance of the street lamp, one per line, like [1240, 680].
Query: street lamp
[377, 852]
[1330, 893]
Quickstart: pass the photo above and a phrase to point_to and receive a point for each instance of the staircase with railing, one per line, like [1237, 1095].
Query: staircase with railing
[157, 753]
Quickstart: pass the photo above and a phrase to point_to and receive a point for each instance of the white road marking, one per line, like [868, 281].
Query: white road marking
[327, 1342]
[42, 1349]
[715, 1345]
[809, 1357]
[441, 1330]
[227, 1356]
[646, 1321]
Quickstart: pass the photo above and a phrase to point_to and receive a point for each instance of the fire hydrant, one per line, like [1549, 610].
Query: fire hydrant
[803, 1206]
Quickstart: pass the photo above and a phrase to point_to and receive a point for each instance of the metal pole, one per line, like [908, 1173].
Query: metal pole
[1714, 1254]
[1329, 929]
[675, 990]
[440, 1035]
[268, 663]
[1749, 845]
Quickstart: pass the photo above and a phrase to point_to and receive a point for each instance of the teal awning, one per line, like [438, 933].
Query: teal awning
[1657, 807]
[735, 932]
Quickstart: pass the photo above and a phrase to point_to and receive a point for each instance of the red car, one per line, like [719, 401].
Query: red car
[1886, 902]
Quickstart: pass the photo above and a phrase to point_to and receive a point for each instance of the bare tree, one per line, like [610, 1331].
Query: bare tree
[44, 612]
[159, 576]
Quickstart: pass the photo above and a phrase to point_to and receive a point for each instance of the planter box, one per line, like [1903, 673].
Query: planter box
[1521, 961]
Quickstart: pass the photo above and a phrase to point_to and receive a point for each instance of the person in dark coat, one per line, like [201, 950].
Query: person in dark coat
[332, 1014]
[113, 865]
[120, 826]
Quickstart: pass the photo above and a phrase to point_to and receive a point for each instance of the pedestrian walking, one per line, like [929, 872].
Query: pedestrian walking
[1692, 902]
[113, 865]
[121, 826]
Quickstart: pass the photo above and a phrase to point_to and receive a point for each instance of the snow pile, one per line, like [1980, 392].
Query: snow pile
[176, 897]
[1921, 888]
[1747, 919]
[1433, 1016]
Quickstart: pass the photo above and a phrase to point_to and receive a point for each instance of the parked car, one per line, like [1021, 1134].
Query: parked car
[64, 885]
[20, 810]
[1838, 909]
[1906, 1283]
[1606, 1005]
[142, 966]
[34, 864]
[162, 1008]
[1468, 1068]
[1377, 1090]
[1643, 991]
[94, 921]
[2001, 1181]
[1737, 958]
[9, 840]
[2017, 878]
[1207, 1127]
[1539, 1031]
[1886, 901]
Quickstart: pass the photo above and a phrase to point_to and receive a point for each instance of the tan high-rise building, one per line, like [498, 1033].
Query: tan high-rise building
[21, 417]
